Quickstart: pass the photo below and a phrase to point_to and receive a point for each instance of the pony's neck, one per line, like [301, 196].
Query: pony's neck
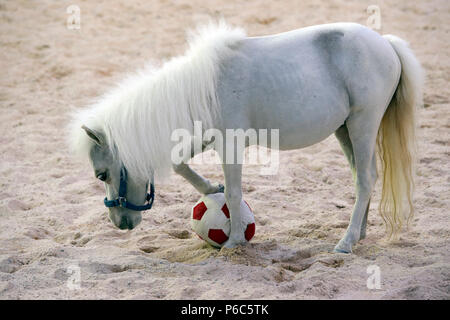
[150, 109]
[151, 105]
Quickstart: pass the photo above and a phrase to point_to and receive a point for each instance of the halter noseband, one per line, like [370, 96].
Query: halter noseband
[122, 201]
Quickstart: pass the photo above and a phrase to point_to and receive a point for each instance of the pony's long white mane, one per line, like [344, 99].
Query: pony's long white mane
[138, 117]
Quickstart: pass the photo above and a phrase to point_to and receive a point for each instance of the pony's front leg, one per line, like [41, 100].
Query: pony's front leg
[233, 198]
[204, 186]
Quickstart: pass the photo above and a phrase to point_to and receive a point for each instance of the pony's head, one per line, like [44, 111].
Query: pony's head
[126, 196]
[129, 129]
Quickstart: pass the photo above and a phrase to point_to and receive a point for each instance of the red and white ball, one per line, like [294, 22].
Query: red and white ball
[210, 219]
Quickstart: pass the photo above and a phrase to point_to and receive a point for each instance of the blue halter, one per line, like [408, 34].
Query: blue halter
[122, 201]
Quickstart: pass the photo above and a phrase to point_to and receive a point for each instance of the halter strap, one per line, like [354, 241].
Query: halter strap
[122, 201]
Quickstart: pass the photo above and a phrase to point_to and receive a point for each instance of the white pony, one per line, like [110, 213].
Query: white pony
[340, 78]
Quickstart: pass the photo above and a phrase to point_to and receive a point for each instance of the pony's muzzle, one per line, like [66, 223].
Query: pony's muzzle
[124, 219]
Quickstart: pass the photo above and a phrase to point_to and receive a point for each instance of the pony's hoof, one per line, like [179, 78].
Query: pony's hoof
[342, 248]
[216, 188]
[220, 188]
[230, 244]
[341, 251]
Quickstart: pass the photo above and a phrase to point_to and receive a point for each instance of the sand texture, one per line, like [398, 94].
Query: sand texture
[52, 219]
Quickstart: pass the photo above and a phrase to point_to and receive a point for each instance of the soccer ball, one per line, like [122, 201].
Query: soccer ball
[210, 219]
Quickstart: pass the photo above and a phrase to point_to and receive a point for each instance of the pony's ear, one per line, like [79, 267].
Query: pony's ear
[94, 135]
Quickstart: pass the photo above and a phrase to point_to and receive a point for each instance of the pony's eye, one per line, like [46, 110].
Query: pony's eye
[102, 176]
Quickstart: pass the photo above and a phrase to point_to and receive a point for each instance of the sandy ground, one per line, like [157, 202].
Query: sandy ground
[52, 219]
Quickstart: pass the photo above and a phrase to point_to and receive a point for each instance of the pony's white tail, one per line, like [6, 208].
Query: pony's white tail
[396, 141]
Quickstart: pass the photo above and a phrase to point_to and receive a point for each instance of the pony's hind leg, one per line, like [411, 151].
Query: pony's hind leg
[362, 129]
[362, 234]
[346, 145]
[373, 168]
